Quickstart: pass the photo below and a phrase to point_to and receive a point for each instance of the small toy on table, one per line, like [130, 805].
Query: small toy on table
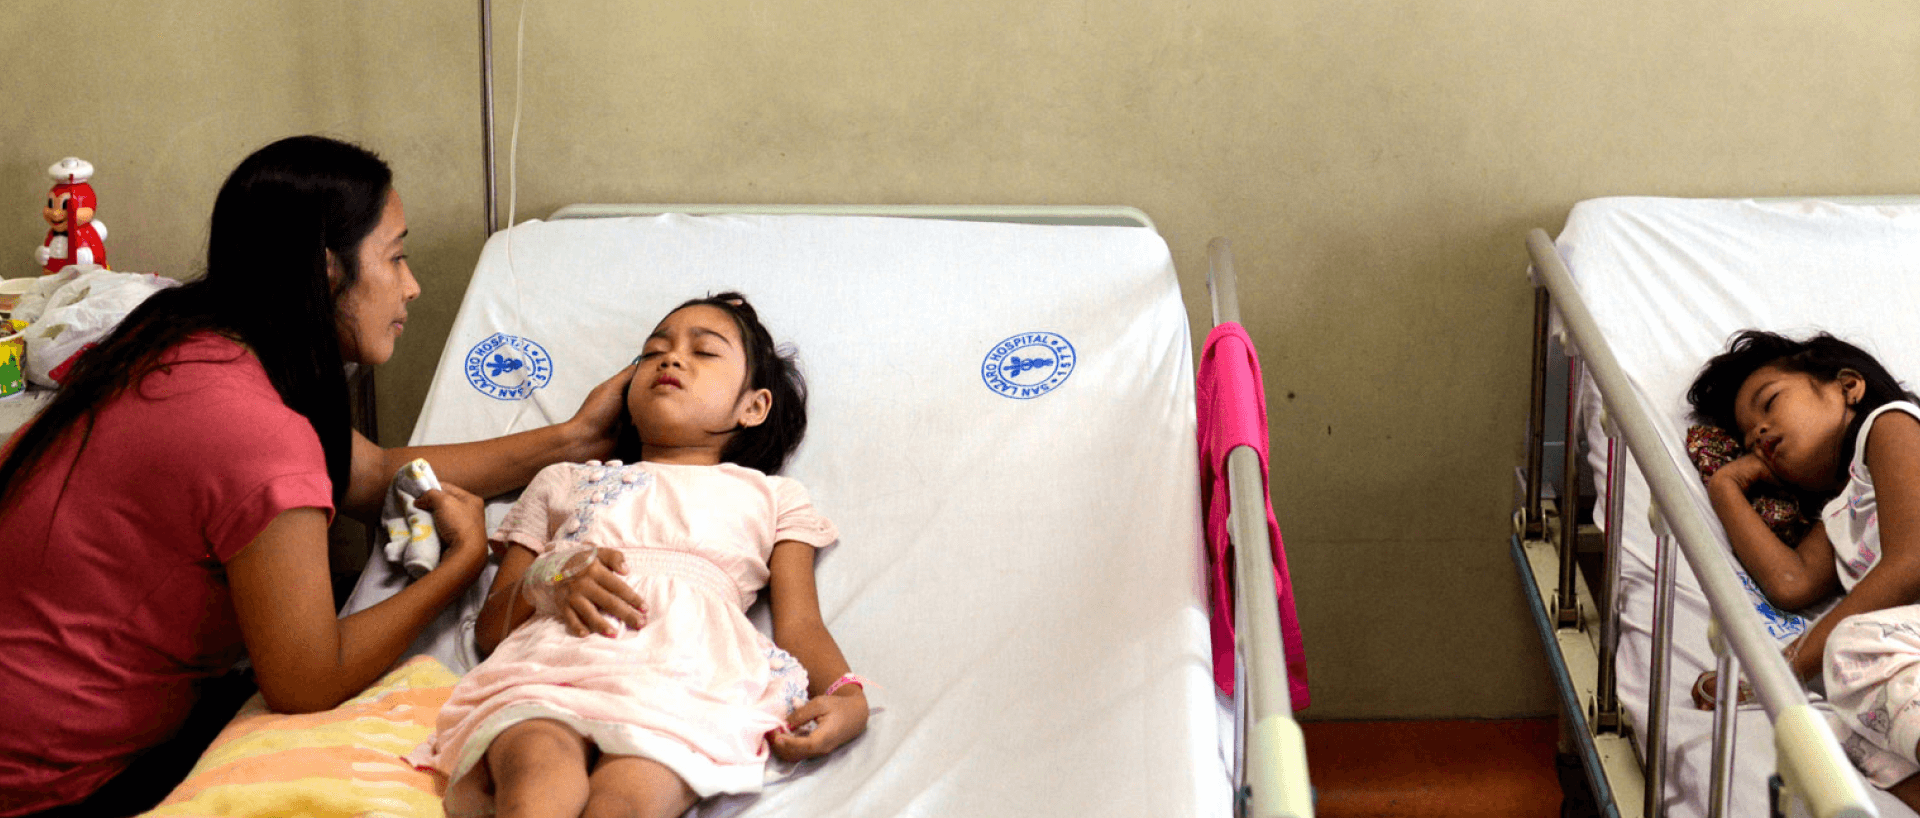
[74, 236]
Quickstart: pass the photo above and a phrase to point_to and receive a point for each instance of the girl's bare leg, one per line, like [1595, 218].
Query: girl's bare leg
[1908, 791]
[635, 787]
[539, 769]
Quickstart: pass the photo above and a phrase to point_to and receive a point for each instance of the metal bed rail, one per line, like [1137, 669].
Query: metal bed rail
[1815, 777]
[1272, 775]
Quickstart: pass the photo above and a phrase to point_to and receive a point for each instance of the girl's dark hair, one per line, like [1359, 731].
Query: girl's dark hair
[275, 220]
[1822, 356]
[767, 446]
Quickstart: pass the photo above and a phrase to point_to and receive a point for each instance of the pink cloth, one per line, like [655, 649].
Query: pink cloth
[113, 598]
[1231, 404]
[698, 687]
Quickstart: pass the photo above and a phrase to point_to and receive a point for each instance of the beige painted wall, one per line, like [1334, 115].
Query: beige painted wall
[1375, 164]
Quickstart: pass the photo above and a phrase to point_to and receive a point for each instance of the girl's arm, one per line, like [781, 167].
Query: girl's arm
[585, 601]
[1792, 578]
[304, 658]
[798, 629]
[502, 464]
[505, 608]
[1893, 457]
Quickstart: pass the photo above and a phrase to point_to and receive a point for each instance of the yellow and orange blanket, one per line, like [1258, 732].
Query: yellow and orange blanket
[348, 761]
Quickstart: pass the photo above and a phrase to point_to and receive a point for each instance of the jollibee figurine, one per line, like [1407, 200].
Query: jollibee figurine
[74, 235]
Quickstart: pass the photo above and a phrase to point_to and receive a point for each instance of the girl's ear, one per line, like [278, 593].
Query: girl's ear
[333, 269]
[1852, 385]
[755, 406]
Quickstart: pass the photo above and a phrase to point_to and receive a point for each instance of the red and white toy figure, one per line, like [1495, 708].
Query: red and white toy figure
[74, 235]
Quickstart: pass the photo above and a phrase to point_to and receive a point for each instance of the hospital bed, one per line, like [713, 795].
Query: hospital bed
[1019, 569]
[1638, 293]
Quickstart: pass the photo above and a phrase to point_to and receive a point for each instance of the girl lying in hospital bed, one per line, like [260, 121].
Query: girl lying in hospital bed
[684, 698]
[1826, 419]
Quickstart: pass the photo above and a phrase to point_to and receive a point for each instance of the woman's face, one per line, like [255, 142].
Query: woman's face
[373, 312]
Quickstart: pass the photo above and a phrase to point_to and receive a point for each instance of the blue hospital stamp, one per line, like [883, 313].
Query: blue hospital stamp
[508, 367]
[1780, 624]
[1028, 365]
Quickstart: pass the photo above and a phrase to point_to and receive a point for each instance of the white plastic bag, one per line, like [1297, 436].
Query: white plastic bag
[75, 308]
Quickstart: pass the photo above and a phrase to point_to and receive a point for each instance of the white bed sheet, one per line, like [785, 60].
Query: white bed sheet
[1669, 281]
[1019, 575]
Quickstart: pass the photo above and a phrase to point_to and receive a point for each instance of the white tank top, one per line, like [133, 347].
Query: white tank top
[1853, 518]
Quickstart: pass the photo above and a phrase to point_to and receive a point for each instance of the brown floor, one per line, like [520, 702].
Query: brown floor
[1431, 769]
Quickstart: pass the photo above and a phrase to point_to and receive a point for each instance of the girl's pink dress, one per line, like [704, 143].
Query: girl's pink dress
[698, 687]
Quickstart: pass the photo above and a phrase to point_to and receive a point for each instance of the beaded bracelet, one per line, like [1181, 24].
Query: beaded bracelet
[847, 679]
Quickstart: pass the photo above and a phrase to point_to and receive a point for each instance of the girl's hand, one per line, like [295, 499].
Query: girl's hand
[595, 591]
[1744, 473]
[460, 519]
[600, 415]
[836, 718]
[1792, 654]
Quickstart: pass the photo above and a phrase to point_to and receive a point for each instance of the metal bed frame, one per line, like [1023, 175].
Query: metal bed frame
[1813, 776]
[1270, 775]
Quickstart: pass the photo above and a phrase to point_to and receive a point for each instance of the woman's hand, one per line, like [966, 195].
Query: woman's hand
[837, 718]
[600, 416]
[1745, 472]
[594, 590]
[460, 519]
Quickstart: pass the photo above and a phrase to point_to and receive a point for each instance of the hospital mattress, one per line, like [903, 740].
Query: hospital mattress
[1001, 425]
[1668, 282]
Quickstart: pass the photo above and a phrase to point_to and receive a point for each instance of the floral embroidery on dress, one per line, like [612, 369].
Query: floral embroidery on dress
[600, 485]
[787, 676]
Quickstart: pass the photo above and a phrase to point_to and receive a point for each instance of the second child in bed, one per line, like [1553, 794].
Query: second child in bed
[1826, 420]
[573, 714]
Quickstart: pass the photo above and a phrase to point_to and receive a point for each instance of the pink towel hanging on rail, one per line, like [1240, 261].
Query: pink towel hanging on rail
[1231, 403]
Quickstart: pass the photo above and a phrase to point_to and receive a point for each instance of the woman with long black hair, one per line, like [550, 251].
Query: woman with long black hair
[166, 514]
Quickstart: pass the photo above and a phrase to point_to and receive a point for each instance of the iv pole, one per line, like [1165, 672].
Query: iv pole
[486, 114]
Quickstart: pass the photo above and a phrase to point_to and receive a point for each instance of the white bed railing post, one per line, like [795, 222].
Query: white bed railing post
[1606, 710]
[1566, 605]
[1274, 779]
[1660, 690]
[1726, 712]
[1533, 525]
[1810, 761]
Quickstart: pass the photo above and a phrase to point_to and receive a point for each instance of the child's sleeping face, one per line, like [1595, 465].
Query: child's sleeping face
[1797, 423]
[690, 392]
